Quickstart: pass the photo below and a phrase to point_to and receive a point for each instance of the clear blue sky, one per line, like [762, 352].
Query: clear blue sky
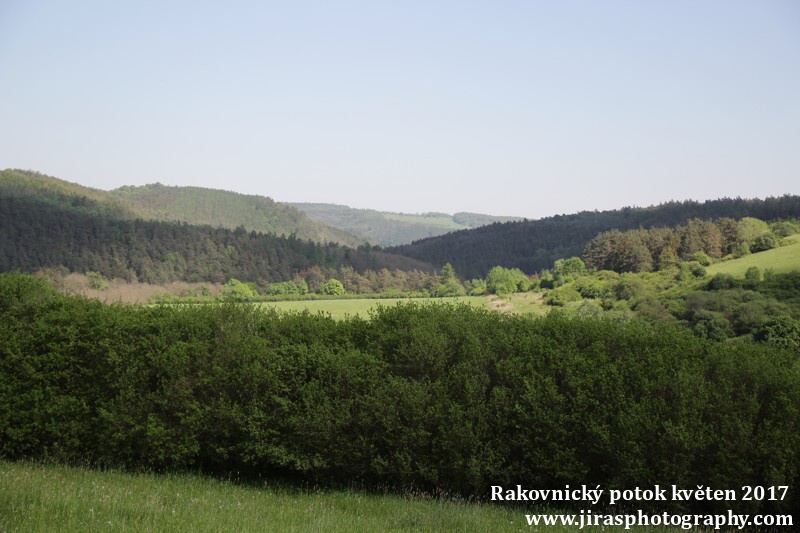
[526, 108]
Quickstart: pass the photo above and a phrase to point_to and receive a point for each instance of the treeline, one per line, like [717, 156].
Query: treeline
[645, 250]
[36, 235]
[342, 282]
[534, 245]
[440, 398]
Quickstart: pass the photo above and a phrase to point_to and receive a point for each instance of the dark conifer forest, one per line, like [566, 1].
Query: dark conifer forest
[36, 235]
[534, 245]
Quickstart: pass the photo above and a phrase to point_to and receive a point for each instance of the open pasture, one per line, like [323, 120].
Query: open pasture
[780, 260]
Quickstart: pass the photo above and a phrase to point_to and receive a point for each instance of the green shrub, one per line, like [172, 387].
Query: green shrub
[332, 287]
[563, 295]
[721, 281]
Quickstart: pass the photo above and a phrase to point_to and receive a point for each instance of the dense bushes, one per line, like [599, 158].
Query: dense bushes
[435, 396]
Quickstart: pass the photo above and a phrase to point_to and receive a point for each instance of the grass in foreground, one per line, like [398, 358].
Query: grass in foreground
[34, 498]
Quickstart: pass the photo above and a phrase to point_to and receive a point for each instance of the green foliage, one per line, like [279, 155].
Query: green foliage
[287, 287]
[691, 270]
[439, 397]
[561, 296]
[702, 258]
[631, 287]
[721, 281]
[236, 291]
[750, 229]
[566, 270]
[785, 228]
[592, 287]
[449, 284]
[711, 325]
[503, 281]
[753, 274]
[476, 287]
[783, 331]
[764, 242]
[332, 287]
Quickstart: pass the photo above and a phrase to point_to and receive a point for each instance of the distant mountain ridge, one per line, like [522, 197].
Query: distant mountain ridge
[393, 229]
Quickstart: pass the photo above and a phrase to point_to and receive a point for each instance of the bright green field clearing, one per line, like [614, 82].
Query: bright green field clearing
[522, 303]
[37, 498]
[444, 221]
[781, 260]
[361, 307]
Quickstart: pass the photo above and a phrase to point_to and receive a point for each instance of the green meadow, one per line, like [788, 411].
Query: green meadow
[362, 307]
[780, 260]
[443, 221]
[520, 303]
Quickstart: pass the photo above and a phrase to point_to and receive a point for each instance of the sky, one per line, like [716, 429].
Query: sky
[525, 108]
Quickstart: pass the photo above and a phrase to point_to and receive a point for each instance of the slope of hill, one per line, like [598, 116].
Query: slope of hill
[28, 184]
[392, 229]
[781, 260]
[196, 205]
[533, 245]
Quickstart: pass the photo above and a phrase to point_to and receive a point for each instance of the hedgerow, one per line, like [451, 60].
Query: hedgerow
[440, 397]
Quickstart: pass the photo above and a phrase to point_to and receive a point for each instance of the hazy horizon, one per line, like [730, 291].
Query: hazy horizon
[526, 109]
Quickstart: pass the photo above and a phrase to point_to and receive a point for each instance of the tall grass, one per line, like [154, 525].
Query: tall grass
[35, 497]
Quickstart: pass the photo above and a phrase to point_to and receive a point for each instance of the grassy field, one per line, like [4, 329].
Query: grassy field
[781, 260]
[443, 221]
[523, 303]
[55, 498]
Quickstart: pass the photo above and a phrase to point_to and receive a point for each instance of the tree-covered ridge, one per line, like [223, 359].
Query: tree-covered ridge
[534, 245]
[36, 235]
[392, 229]
[28, 184]
[213, 207]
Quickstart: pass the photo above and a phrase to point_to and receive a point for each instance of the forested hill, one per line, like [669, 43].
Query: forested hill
[36, 234]
[391, 229]
[31, 185]
[197, 205]
[533, 245]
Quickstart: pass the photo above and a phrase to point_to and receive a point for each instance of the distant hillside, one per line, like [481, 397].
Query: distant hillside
[27, 184]
[46, 222]
[218, 208]
[533, 245]
[36, 234]
[392, 229]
